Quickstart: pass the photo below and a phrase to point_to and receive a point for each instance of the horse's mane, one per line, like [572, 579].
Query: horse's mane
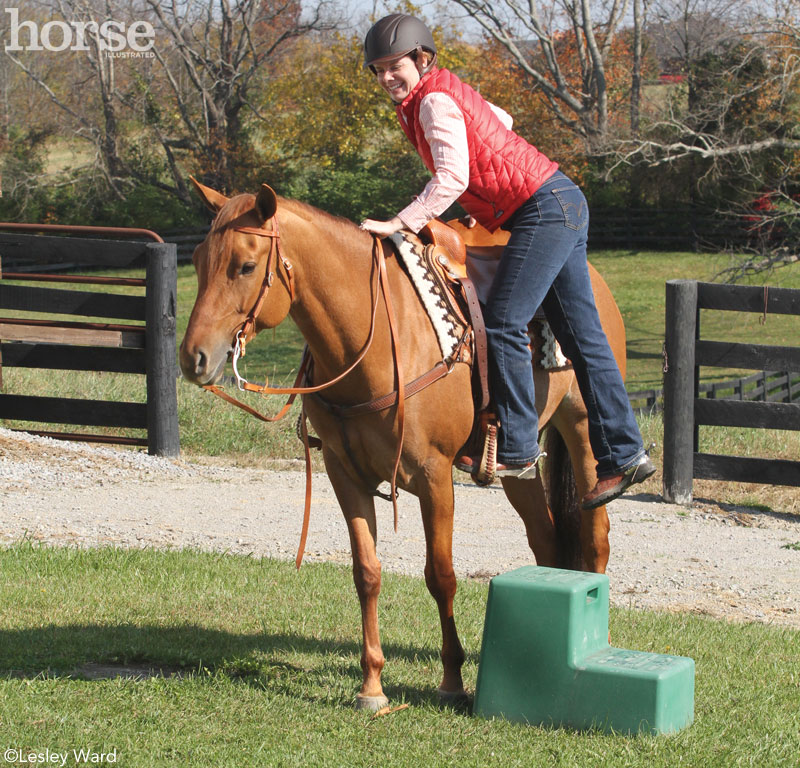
[309, 212]
[242, 203]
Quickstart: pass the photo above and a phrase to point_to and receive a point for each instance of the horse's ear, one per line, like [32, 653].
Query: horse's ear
[214, 200]
[266, 202]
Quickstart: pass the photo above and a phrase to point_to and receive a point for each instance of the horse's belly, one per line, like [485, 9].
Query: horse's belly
[551, 387]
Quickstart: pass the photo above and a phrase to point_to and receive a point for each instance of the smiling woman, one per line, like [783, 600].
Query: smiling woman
[505, 183]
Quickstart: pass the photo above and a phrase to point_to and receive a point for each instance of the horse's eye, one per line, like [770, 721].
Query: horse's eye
[248, 268]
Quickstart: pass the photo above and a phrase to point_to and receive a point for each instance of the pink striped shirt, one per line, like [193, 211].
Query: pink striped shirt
[446, 133]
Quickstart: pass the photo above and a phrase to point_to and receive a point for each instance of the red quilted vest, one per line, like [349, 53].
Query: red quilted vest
[504, 170]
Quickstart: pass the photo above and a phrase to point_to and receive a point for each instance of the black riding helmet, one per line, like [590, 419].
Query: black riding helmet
[396, 35]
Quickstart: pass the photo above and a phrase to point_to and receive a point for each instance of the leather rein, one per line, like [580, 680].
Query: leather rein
[401, 392]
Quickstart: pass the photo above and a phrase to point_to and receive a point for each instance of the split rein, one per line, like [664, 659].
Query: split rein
[398, 396]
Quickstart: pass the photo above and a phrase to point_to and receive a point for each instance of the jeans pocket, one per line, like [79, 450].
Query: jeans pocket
[574, 206]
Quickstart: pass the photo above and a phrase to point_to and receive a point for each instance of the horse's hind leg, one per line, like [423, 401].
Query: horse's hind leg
[436, 503]
[528, 499]
[572, 424]
[359, 512]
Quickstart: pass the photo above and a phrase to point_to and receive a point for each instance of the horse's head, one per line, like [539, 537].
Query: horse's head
[233, 265]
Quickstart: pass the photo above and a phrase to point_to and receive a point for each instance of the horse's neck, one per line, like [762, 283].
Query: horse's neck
[336, 280]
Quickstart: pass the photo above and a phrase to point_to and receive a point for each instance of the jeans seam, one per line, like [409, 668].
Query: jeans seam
[633, 462]
[501, 365]
[601, 426]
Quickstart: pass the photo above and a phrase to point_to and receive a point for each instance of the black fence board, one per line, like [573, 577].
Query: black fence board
[56, 301]
[724, 354]
[68, 357]
[92, 413]
[748, 298]
[709, 466]
[743, 413]
[40, 250]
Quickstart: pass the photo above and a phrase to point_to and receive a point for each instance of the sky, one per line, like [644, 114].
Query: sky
[360, 12]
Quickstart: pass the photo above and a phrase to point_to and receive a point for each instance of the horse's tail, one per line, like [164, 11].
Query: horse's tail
[562, 498]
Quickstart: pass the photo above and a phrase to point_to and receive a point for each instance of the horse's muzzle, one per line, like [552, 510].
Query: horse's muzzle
[202, 367]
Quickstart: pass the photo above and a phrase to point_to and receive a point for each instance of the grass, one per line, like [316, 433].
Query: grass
[253, 678]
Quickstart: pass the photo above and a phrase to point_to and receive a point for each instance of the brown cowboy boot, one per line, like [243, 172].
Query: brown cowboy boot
[613, 486]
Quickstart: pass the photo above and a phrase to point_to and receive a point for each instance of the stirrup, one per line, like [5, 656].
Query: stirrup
[528, 472]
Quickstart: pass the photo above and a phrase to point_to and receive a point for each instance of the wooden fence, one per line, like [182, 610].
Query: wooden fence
[685, 411]
[680, 229]
[144, 343]
[766, 386]
[626, 228]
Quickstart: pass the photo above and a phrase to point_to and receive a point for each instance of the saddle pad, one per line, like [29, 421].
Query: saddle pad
[446, 325]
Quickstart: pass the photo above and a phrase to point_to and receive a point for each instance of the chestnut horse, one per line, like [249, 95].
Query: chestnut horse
[331, 296]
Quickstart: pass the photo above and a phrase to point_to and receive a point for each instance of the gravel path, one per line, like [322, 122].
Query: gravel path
[731, 564]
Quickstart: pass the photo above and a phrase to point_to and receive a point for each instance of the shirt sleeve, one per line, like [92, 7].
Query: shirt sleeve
[502, 115]
[446, 133]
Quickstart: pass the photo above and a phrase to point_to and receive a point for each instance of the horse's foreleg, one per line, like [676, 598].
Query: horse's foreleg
[436, 503]
[358, 508]
[571, 422]
[529, 500]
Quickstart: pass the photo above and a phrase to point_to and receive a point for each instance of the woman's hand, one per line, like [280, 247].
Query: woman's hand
[382, 228]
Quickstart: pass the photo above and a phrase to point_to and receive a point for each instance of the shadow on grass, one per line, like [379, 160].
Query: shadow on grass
[282, 663]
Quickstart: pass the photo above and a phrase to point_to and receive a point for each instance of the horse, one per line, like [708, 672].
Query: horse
[326, 278]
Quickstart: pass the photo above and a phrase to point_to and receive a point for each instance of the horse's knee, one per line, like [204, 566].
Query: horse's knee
[367, 578]
[440, 580]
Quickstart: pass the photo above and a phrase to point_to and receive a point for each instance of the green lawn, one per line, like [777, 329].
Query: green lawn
[261, 668]
[638, 283]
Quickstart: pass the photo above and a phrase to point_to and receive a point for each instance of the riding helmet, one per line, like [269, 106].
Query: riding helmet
[396, 35]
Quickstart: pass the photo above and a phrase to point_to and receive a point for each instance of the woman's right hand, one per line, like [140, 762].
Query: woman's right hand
[382, 228]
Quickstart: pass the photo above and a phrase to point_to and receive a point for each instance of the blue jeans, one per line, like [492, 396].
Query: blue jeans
[544, 264]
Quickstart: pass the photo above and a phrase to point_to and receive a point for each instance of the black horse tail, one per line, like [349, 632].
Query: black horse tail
[562, 498]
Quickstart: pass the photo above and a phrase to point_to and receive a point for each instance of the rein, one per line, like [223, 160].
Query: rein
[397, 397]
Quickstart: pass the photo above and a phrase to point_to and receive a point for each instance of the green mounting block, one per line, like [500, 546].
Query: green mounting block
[546, 660]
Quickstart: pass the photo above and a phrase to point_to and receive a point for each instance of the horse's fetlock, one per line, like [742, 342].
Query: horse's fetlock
[372, 662]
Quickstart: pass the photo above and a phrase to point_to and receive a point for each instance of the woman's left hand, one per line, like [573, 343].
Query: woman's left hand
[382, 228]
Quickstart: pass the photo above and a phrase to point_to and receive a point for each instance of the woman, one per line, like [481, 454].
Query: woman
[502, 181]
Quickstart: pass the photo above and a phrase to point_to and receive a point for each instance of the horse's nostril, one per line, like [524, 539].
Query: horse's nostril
[201, 361]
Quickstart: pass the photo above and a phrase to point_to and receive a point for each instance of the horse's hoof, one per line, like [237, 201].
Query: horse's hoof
[371, 703]
[456, 700]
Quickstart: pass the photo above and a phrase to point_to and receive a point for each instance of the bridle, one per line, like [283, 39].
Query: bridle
[240, 336]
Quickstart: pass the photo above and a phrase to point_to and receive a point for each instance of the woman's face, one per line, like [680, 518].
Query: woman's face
[397, 77]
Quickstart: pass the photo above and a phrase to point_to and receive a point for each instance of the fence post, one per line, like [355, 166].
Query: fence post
[679, 394]
[160, 314]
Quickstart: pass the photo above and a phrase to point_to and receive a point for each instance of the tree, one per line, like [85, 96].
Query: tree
[732, 130]
[189, 102]
[564, 50]
[335, 141]
[219, 51]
